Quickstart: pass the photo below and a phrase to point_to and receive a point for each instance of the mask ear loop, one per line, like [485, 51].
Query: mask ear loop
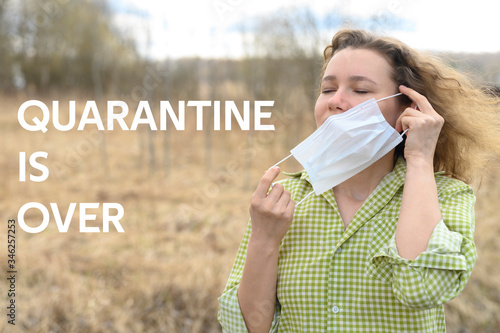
[379, 100]
[281, 161]
[304, 198]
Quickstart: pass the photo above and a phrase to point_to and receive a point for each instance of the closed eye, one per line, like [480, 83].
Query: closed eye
[326, 91]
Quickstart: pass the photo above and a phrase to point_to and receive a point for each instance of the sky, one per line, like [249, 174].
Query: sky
[209, 28]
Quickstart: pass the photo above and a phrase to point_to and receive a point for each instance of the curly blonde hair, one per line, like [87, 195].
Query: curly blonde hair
[472, 112]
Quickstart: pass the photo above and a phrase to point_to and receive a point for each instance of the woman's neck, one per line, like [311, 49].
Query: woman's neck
[360, 186]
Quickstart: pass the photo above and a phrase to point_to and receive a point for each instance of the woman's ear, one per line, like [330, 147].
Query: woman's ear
[404, 101]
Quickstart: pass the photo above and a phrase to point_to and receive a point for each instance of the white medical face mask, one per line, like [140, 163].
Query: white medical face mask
[345, 144]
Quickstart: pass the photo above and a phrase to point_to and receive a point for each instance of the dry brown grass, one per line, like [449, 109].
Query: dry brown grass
[182, 227]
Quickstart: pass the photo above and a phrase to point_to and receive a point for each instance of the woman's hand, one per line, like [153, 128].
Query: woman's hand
[272, 212]
[424, 127]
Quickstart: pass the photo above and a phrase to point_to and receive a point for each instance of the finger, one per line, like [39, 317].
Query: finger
[291, 205]
[283, 199]
[399, 124]
[402, 123]
[276, 192]
[285, 205]
[420, 101]
[266, 181]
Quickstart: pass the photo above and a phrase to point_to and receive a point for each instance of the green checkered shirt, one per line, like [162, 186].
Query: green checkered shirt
[332, 279]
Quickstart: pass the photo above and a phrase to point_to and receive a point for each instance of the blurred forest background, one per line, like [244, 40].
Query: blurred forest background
[185, 193]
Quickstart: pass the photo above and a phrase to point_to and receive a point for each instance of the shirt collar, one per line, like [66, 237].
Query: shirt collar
[299, 174]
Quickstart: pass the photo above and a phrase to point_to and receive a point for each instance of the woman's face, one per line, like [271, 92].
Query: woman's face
[352, 77]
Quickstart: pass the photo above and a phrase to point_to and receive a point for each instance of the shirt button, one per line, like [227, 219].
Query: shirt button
[335, 309]
[339, 249]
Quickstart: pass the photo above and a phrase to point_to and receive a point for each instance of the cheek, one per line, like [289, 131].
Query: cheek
[391, 119]
[317, 113]
[391, 115]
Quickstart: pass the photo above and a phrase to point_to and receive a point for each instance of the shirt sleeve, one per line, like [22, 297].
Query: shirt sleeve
[442, 270]
[229, 315]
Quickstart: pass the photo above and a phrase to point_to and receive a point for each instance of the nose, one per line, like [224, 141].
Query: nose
[338, 103]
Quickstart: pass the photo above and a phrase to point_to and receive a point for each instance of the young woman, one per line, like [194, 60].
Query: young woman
[385, 249]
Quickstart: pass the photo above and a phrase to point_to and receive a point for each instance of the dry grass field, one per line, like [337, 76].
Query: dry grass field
[184, 218]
